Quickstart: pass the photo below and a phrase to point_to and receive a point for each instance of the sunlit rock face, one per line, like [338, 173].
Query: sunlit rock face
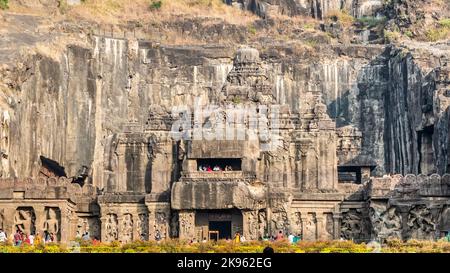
[108, 138]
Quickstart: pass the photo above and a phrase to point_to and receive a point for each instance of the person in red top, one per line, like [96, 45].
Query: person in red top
[209, 169]
[280, 236]
[26, 239]
[17, 238]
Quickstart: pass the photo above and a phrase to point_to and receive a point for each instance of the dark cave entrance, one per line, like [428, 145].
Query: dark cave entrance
[426, 152]
[222, 228]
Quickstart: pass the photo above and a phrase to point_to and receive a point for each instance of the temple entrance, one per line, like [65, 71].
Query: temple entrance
[217, 224]
[223, 229]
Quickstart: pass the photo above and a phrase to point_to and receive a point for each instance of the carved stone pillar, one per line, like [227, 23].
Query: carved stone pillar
[337, 225]
[187, 224]
[119, 227]
[39, 211]
[250, 224]
[304, 220]
[64, 228]
[103, 220]
[320, 227]
[151, 225]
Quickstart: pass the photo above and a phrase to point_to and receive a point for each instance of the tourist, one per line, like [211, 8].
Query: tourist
[291, 238]
[297, 238]
[280, 236]
[52, 237]
[95, 241]
[31, 239]
[17, 238]
[237, 238]
[26, 239]
[2, 236]
[200, 168]
[37, 239]
[208, 169]
[243, 238]
[86, 236]
[47, 237]
[204, 240]
[157, 235]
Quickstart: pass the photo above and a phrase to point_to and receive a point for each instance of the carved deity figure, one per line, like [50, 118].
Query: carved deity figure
[24, 220]
[391, 224]
[262, 222]
[51, 224]
[329, 226]
[142, 226]
[174, 225]
[351, 226]
[186, 224]
[127, 228]
[111, 228]
[161, 224]
[420, 223]
[311, 227]
[295, 223]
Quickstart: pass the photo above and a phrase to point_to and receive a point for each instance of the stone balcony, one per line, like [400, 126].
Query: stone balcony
[232, 176]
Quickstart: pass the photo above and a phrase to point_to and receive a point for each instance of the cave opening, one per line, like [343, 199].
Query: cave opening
[425, 149]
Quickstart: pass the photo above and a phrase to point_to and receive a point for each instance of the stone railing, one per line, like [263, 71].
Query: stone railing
[45, 188]
[410, 186]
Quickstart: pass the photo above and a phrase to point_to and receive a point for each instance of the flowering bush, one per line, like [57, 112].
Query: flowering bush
[221, 246]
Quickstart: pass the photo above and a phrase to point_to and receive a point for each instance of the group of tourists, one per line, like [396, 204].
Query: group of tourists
[292, 238]
[20, 238]
[216, 168]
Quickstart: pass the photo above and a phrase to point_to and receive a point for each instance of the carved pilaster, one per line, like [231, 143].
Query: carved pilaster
[187, 224]
[337, 225]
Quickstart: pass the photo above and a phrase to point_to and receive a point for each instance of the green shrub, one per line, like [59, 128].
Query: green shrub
[156, 4]
[4, 4]
[445, 22]
[341, 16]
[391, 36]
[252, 30]
[371, 21]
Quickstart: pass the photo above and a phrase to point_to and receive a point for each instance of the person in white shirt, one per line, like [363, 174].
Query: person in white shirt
[2, 236]
[31, 238]
[291, 238]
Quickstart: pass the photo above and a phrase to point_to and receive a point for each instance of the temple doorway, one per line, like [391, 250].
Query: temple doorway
[218, 224]
[223, 229]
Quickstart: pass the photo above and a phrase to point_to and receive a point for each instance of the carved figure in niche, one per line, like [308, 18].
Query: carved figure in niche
[280, 221]
[186, 224]
[24, 220]
[329, 225]
[111, 227]
[127, 228]
[51, 224]
[420, 222]
[253, 225]
[296, 223]
[311, 227]
[142, 226]
[262, 222]
[351, 227]
[82, 227]
[161, 224]
[391, 224]
[174, 225]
